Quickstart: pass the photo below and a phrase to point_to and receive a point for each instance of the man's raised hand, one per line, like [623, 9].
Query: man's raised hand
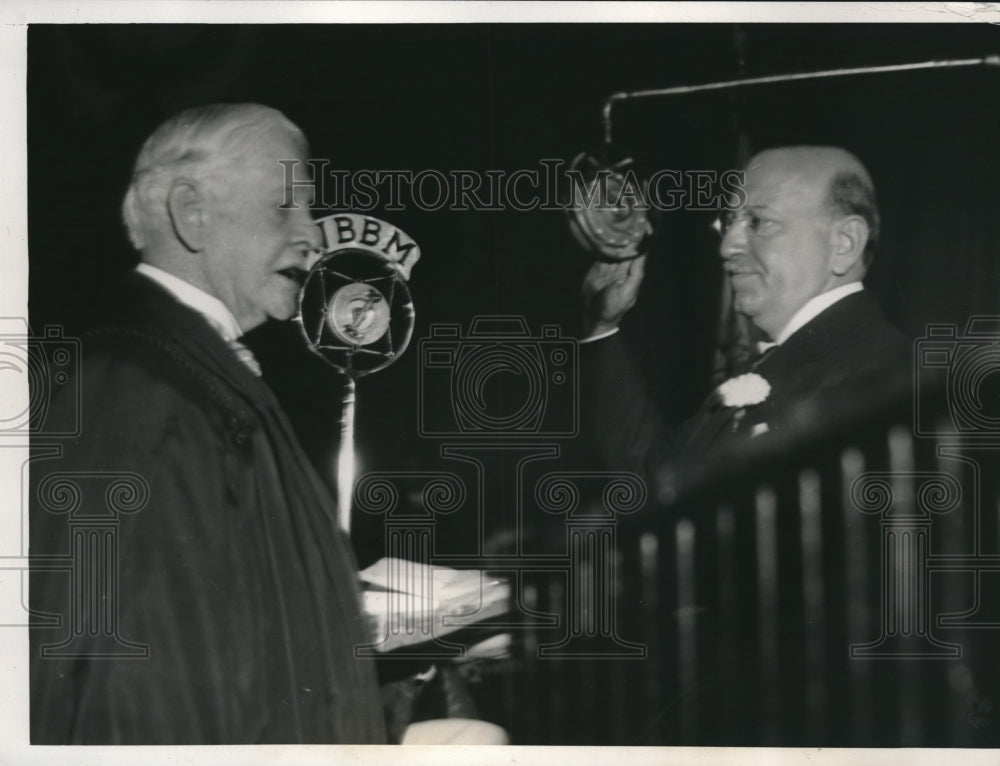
[609, 291]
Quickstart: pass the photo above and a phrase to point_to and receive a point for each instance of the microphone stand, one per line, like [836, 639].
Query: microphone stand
[345, 456]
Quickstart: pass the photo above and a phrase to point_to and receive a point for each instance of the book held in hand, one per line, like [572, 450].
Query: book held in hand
[409, 603]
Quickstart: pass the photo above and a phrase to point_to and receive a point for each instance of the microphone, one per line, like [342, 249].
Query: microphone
[607, 205]
[356, 313]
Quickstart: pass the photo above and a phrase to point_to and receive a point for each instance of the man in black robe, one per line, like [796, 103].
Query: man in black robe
[234, 575]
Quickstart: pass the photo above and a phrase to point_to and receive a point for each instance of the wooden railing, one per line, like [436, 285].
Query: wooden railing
[840, 590]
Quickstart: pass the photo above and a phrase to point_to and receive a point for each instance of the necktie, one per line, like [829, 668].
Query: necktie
[764, 346]
[246, 356]
[765, 350]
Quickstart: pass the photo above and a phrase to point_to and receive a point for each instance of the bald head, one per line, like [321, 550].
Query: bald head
[831, 176]
[808, 226]
[816, 162]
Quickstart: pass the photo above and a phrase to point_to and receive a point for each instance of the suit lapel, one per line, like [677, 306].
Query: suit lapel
[707, 427]
[800, 365]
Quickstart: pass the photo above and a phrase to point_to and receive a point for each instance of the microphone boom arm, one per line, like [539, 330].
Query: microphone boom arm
[614, 98]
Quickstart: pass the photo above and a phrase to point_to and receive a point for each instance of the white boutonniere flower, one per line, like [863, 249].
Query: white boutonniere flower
[744, 390]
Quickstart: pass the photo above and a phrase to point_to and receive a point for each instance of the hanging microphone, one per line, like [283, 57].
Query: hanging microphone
[606, 206]
[602, 216]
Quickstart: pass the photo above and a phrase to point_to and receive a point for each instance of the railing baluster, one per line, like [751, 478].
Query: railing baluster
[649, 552]
[562, 710]
[728, 607]
[813, 597]
[905, 576]
[534, 679]
[857, 578]
[767, 609]
[687, 636]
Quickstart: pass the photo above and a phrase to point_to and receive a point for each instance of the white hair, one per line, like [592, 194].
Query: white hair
[192, 143]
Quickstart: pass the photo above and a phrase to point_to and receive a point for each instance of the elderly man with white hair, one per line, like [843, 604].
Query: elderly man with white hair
[235, 575]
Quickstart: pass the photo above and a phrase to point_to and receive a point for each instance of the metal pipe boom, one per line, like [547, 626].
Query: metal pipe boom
[678, 90]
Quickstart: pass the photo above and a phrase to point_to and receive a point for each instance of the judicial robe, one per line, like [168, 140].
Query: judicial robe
[233, 574]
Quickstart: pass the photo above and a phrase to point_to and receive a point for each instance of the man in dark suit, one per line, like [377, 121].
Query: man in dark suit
[796, 253]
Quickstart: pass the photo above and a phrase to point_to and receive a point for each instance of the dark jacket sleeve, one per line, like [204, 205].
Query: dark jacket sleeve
[625, 426]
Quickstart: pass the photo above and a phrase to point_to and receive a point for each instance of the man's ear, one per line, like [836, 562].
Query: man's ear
[185, 205]
[849, 237]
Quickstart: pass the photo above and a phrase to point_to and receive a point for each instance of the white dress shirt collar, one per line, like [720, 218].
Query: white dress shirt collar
[210, 307]
[814, 308]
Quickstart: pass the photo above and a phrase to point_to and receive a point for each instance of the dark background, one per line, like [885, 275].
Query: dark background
[505, 96]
